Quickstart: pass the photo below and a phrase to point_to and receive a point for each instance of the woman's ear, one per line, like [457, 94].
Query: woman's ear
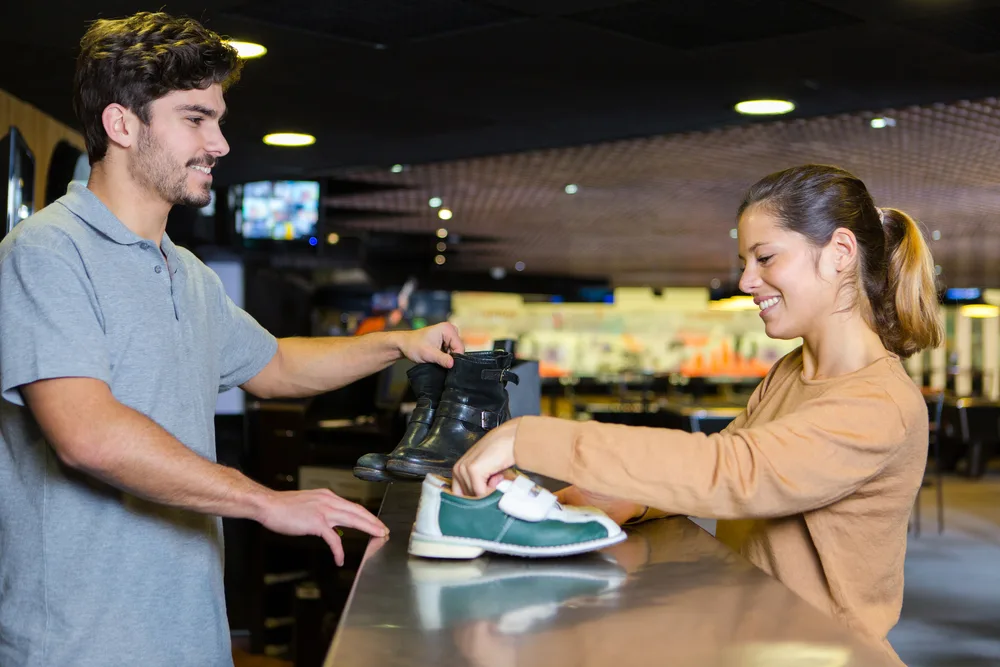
[844, 249]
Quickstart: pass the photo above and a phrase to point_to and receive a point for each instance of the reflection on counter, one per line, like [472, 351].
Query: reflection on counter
[670, 594]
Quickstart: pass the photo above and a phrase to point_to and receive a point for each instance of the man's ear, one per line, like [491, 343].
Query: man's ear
[121, 125]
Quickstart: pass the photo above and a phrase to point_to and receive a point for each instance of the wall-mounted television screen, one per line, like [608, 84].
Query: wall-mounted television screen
[280, 210]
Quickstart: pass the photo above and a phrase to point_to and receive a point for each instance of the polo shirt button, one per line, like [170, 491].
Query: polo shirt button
[157, 268]
[144, 245]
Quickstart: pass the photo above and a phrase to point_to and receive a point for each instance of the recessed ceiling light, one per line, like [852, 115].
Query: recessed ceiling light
[439, 260]
[434, 202]
[289, 139]
[936, 235]
[442, 246]
[716, 283]
[445, 214]
[734, 233]
[442, 233]
[396, 168]
[764, 107]
[937, 269]
[879, 123]
[247, 50]
[333, 238]
[571, 189]
[519, 266]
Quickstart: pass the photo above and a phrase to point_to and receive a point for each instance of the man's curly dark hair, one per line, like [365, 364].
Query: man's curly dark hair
[136, 60]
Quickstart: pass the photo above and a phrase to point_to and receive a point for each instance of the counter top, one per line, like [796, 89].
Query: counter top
[670, 594]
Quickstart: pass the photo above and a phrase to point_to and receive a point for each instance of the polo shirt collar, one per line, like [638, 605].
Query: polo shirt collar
[85, 205]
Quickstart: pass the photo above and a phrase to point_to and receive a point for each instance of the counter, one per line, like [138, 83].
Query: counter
[669, 595]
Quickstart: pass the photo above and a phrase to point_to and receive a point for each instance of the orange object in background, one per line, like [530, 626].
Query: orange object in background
[723, 362]
[547, 369]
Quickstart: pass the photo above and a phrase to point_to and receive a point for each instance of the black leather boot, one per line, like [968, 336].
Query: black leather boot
[427, 382]
[474, 401]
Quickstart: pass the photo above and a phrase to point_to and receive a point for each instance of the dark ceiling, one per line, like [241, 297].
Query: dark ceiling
[410, 81]
[381, 82]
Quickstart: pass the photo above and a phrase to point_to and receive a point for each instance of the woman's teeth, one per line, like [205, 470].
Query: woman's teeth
[764, 305]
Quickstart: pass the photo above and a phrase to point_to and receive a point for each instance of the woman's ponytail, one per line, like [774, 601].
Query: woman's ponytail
[909, 319]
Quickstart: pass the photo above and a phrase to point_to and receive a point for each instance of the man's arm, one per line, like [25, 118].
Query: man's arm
[309, 366]
[91, 431]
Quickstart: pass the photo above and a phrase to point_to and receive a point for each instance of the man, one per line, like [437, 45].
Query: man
[114, 344]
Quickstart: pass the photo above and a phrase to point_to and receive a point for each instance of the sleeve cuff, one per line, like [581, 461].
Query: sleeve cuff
[544, 445]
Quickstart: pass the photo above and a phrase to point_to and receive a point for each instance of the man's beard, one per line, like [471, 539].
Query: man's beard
[156, 169]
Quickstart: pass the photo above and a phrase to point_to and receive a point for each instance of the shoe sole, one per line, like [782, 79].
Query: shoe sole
[465, 548]
[372, 474]
[408, 470]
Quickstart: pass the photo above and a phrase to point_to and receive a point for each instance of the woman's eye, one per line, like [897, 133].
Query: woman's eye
[764, 260]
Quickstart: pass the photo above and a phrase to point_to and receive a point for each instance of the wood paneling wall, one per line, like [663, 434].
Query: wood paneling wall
[41, 132]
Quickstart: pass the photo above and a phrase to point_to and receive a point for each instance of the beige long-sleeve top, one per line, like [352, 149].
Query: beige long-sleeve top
[826, 470]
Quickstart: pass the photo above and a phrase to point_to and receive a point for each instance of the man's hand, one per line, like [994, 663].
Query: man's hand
[430, 345]
[317, 512]
[620, 511]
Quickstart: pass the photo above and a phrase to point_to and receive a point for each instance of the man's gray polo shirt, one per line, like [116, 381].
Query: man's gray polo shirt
[91, 576]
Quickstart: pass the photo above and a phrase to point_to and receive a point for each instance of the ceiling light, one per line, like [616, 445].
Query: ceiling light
[733, 233]
[936, 235]
[445, 214]
[937, 270]
[764, 107]
[979, 310]
[519, 266]
[439, 260]
[442, 246]
[396, 168]
[434, 202]
[289, 139]
[333, 238]
[498, 273]
[716, 283]
[442, 233]
[880, 122]
[571, 189]
[247, 50]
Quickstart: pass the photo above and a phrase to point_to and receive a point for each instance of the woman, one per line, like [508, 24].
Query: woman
[829, 454]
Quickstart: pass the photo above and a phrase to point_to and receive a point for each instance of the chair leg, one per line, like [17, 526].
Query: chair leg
[940, 502]
[939, 492]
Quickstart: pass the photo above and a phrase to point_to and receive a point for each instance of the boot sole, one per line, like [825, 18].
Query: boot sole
[465, 548]
[410, 470]
[372, 474]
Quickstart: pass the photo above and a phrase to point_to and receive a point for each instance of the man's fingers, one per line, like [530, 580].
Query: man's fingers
[443, 359]
[331, 537]
[452, 340]
[350, 517]
[335, 503]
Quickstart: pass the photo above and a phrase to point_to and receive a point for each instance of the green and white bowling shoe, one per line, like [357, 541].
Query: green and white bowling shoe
[518, 519]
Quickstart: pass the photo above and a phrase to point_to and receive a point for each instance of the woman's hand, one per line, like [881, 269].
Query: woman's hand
[620, 511]
[479, 471]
